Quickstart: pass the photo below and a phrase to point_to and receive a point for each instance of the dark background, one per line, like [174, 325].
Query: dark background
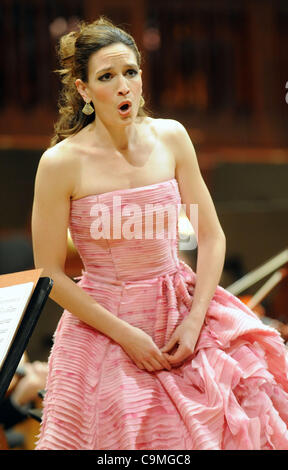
[219, 67]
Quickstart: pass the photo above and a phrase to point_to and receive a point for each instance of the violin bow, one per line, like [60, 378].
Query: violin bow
[259, 273]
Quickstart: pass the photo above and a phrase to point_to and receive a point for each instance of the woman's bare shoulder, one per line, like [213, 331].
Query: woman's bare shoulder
[60, 154]
[58, 165]
[177, 138]
[168, 128]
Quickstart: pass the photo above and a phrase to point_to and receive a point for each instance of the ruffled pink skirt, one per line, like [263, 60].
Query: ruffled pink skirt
[231, 394]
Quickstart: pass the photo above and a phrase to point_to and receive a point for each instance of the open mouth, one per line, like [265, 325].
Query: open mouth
[124, 107]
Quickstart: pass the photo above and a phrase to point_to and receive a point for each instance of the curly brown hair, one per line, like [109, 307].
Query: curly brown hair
[74, 50]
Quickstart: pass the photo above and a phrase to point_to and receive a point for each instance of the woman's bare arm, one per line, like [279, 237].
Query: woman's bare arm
[211, 238]
[50, 219]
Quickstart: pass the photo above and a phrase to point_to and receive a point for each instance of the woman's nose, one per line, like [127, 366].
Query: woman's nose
[123, 88]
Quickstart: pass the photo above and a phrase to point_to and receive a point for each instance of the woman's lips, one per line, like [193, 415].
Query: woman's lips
[125, 112]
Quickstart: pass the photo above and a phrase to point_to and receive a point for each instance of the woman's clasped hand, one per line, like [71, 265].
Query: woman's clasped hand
[141, 348]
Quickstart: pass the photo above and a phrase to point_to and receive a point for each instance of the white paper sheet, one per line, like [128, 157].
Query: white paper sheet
[13, 303]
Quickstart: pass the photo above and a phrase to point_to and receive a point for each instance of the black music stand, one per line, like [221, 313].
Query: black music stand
[24, 332]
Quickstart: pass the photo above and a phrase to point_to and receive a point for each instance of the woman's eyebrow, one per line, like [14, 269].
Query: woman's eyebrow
[110, 68]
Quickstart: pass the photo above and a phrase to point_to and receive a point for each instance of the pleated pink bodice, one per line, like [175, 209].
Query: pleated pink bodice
[113, 257]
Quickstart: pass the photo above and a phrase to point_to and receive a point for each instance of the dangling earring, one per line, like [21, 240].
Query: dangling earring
[142, 102]
[87, 109]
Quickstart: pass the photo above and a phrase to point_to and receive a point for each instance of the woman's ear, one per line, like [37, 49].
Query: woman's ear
[82, 89]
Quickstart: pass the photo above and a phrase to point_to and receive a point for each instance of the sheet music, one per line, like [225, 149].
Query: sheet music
[13, 302]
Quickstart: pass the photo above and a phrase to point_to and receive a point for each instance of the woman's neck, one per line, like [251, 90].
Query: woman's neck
[119, 137]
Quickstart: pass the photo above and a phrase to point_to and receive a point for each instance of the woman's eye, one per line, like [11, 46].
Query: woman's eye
[106, 76]
[134, 72]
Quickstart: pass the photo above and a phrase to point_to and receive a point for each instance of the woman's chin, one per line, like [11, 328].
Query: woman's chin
[126, 121]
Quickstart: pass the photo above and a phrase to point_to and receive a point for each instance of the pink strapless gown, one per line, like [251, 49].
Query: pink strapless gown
[231, 394]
